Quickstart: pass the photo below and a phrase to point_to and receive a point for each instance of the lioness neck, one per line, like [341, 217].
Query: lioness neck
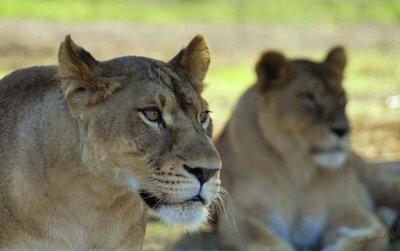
[53, 198]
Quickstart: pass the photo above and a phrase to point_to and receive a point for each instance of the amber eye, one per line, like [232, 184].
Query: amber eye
[154, 115]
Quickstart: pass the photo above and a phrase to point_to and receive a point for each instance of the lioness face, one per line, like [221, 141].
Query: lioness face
[152, 132]
[306, 102]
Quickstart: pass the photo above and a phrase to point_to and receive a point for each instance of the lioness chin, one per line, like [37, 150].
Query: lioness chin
[85, 145]
[293, 182]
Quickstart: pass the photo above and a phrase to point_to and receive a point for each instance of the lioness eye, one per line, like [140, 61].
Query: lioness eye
[154, 115]
[204, 118]
[307, 98]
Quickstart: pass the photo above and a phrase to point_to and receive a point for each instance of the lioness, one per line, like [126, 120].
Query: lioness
[85, 145]
[287, 165]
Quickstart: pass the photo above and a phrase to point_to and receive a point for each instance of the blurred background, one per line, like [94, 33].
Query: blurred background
[237, 31]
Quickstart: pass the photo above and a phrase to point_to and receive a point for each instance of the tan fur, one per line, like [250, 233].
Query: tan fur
[78, 158]
[289, 173]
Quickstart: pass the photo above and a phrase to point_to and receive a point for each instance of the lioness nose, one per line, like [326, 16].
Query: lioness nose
[340, 131]
[201, 173]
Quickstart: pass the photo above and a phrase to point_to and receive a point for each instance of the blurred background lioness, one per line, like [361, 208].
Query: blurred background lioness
[288, 136]
[237, 31]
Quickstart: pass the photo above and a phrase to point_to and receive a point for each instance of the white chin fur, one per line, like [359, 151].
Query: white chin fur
[330, 160]
[188, 215]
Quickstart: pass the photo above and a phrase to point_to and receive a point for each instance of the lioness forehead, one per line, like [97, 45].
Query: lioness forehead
[328, 79]
[157, 72]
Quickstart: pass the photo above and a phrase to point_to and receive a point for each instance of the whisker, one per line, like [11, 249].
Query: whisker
[150, 196]
[225, 204]
[151, 75]
[159, 75]
[162, 200]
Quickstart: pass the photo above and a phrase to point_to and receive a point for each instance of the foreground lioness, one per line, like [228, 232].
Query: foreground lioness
[83, 146]
[286, 163]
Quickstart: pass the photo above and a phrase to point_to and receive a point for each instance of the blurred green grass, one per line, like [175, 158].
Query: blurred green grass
[371, 76]
[4, 72]
[158, 11]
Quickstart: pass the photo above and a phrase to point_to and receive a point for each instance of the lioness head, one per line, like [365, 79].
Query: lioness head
[304, 105]
[143, 124]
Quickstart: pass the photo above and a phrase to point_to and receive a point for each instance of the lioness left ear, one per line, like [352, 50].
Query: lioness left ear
[81, 86]
[273, 69]
[336, 58]
[195, 60]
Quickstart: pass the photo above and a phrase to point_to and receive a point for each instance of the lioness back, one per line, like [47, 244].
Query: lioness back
[285, 156]
[87, 146]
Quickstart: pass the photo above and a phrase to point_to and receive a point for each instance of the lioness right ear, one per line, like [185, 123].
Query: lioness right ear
[195, 60]
[81, 86]
[336, 58]
[272, 68]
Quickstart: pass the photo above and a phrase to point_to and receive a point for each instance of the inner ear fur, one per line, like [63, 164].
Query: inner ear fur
[81, 86]
[336, 58]
[76, 62]
[272, 69]
[195, 60]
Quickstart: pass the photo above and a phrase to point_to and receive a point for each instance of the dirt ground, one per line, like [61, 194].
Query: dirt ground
[25, 42]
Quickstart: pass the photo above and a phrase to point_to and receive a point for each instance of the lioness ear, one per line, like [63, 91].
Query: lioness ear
[75, 62]
[195, 60]
[336, 58]
[80, 84]
[273, 68]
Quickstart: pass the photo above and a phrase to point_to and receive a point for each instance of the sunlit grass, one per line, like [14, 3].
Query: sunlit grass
[306, 11]
[374, 73]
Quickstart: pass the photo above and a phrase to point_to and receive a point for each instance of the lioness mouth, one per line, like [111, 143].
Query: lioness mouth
[197, 198]
[154, 202]
[316, 150]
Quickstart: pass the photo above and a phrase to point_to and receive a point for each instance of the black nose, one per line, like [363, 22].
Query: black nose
[201, 173]
[340, 131]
